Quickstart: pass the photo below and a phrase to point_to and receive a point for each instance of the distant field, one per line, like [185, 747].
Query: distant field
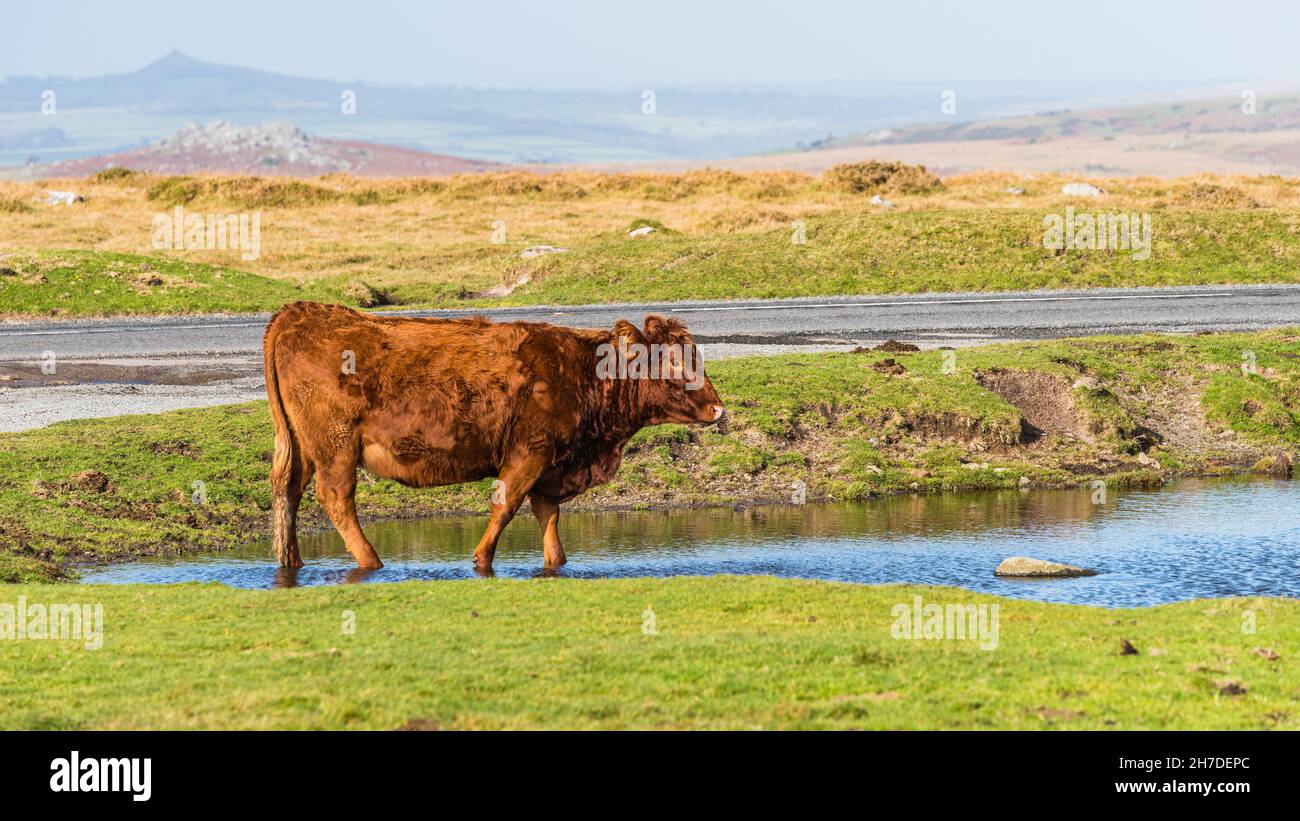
[455, 242]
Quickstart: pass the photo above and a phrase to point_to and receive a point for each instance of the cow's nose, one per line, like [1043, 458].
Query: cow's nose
[718, 410]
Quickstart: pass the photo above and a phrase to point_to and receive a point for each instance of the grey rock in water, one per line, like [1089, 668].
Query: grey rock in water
[1025, 567]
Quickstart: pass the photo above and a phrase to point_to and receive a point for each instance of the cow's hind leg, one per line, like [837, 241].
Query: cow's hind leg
[287, 498]
[290, 474]
[548, 518]
[336, 485]
[516, 481]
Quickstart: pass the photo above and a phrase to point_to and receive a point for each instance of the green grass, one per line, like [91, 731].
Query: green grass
[728, 652]
[891, 252]
[104, 488]
[96, 283]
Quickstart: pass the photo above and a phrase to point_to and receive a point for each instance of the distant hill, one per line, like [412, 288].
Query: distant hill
[1164, 140]
[272, 149]
[130, 111]
[1271, 113]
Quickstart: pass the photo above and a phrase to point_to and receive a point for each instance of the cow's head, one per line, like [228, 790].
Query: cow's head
[662, 355]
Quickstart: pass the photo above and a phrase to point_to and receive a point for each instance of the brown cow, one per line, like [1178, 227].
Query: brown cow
[428, 402]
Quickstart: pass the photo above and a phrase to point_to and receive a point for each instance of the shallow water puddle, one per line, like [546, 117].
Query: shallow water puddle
[1201, 538]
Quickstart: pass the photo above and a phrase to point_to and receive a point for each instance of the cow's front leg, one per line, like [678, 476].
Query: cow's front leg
[515, 481]
[336, 485]
[548, 518]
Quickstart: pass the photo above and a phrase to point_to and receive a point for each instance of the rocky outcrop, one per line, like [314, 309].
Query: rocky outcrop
[273, 141]
[275, 148]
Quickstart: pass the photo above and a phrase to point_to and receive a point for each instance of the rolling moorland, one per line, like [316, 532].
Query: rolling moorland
[461, 241]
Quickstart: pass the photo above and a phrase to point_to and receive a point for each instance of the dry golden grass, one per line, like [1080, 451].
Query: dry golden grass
[411, 228]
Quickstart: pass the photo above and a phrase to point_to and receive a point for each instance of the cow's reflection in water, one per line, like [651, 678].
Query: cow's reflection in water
[285, 577]
[359, 574]
[289, 576]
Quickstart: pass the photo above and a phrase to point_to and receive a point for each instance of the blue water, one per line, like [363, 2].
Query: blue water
[1195, 539]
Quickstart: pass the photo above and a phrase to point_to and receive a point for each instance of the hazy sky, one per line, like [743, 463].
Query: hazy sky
[608, 43]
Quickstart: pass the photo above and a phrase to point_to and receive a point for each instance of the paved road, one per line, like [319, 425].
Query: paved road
[928, 319]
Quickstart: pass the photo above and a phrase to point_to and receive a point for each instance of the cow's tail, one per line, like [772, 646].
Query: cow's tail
[284, 463]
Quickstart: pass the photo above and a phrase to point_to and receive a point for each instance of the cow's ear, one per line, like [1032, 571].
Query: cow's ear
[656, 328]
[625, 331]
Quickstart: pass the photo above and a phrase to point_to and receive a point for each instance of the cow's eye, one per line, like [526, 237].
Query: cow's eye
[675, 361]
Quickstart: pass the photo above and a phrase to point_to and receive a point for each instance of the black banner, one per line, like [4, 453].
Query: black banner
[141, 772]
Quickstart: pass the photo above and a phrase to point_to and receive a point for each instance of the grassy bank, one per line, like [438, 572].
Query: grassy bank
[728, 652]
[1124, 410]
[93, 283]
[458, 242]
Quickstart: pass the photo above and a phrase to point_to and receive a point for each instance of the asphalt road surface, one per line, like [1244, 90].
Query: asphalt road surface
[934, 318]
[151, 364]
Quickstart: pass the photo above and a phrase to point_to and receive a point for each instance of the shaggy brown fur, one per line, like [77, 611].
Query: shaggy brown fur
[441, 401]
